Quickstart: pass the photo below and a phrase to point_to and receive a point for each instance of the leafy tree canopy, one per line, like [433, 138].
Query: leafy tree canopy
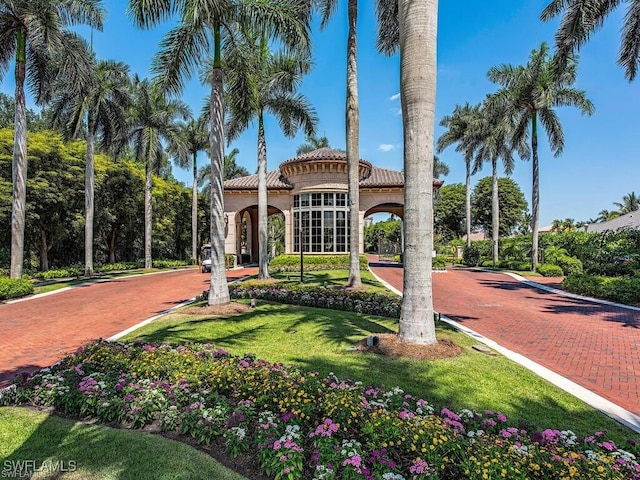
[511, 202]
[449, 210]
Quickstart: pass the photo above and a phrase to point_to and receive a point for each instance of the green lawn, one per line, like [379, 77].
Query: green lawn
[318, 339]
[94, 451]
[332, 278]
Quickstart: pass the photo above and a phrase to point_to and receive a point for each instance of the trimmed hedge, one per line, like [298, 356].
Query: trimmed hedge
[291, 263]
[14, 288]
[624, 290]
[319, 297]
[549, 270]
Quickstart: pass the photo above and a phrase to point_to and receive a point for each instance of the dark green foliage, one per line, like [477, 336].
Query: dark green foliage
[549, 270]
[388, 231]
[321, 297]
[449, 210]
[14, 288]
[471, 255]
[616, 289]
[510, 200]
[170, 263]
[559, 256]
[439, 263]
[291, 262]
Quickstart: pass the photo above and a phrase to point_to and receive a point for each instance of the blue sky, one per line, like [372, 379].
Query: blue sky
[600, 161]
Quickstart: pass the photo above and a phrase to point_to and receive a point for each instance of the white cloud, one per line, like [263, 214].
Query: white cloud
[394, 97]
[386, 147]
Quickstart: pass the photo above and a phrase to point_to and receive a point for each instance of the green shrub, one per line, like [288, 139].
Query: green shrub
[439, 263]
[169, 263]
[119, 266]
[471, 255]
[68, 272]
[624, 290]
[559, 256]
[550, 270]
[291, 262]
[14, 288]
[320, 297]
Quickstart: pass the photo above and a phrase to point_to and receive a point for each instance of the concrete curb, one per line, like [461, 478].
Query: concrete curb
[601, 404]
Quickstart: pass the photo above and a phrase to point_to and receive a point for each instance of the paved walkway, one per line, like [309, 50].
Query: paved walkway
[40, 330]
[595, 345]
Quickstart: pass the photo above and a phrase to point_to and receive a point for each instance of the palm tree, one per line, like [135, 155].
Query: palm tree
[231, 170]
[493, 140]
[630, 203]
[195, 138]
[261, 82]
[460, 129]
[155, 119]
[606, 215]
[102, 97]
[352, 124]
[582, 18]
[34, 34]
[313, 143]
[186, 47]
[439, 167]
[531, 93]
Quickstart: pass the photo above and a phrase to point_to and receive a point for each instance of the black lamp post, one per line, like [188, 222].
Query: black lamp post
[301, 238]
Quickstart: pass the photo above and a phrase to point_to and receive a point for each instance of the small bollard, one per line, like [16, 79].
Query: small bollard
[253, 303]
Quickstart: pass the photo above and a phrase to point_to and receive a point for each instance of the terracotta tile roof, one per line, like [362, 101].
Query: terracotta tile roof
[325, 153]
[380, 177]
[275, 181]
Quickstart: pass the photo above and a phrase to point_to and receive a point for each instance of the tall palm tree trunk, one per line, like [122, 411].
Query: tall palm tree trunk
[89, 184]
[495, 212]
[194, 210]
[353, 140]
[468, 202]
[263, 239]
[19, 165]
[418, 35]
[148, 212]
[535, 192]
[218, 290]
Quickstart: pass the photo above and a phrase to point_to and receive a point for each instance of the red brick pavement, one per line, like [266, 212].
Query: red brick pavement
[39, 331]
[596, 346]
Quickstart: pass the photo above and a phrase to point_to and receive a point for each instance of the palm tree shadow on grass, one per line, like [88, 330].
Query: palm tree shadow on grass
[418, 379]
[58, 446]
[337, 328]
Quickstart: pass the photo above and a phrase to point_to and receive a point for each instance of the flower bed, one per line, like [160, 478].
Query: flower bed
[321, 297]
[300, 425]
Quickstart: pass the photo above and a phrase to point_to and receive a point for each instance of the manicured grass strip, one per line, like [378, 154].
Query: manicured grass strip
[317, 339]
[333, 278]
[97, 452]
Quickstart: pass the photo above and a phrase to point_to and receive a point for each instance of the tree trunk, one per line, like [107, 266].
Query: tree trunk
[19, 166]
[263, 216]
[194, 211]
[352, 122]
[535, 193]
[218, 290]
[89, 184]
[148, 212]
[495, 212]
[418, 36]
[468, 202]
[43, 249]
[112, 244]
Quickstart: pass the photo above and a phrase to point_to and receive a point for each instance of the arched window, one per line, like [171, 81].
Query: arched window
[321, 222]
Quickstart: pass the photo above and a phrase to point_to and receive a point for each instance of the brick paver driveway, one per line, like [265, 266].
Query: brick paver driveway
[39, 331]
[596, 346]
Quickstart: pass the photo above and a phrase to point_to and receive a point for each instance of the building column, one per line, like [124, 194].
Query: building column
[361, 223]
[288, 231]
